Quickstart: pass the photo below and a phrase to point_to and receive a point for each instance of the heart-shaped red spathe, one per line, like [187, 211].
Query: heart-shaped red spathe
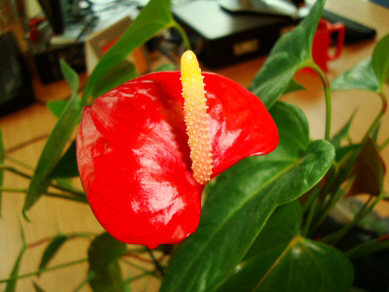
[134, 159]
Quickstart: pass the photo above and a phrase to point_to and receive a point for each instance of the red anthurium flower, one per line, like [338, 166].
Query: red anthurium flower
[133, 154]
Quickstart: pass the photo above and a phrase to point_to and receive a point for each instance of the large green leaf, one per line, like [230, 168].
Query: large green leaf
[380, 61]
[291, 53]
[11, 285]
[2, 156]
[241, 201]
[56, 141]
[154, 18]
[67, 165]
[310, 266]
[280, 229]
[51, 250]
[370, 74]
[306, 266]
[118, 74]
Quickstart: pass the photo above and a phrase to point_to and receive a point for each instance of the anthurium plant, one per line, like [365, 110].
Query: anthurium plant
[224, 181]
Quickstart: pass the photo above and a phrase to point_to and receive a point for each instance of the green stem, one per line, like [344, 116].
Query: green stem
[27, 176]
[377, 120]
[69, 189]
[312, 209]
[332, 201]
[365, 210]
[18, 162]
[44, 270]
[86, 235]
[183, 35]
[384, 144]
[129, 280]
[134, 265]
[49, 194]
[156, 262]
[327, 92]
[352, 160]
[369, 247]
[89, 277]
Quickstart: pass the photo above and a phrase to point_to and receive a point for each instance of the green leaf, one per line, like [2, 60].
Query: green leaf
[103, 255]
[11, 285]
[51, 250]
[291, 53]
[154, 18]
[241, 201]
[57, 107]
[37, 288]
[2, 156]
[166, 67]
[56, 142]
[67, 165]
[110, 277]
[292, 87]
[103, 250]
[370, 74]
[118, 74]
[280, 229]
[345, 152]
[306, 266]
[375, 133]
[380, 61]
[310, 266]
[343, 133]
[286, 221]
[361, 77]
[369, 171]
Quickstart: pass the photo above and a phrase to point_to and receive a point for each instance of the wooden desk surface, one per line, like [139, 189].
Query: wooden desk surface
[51, 215]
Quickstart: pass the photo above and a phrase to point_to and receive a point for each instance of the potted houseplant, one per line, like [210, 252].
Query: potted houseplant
[261, 222]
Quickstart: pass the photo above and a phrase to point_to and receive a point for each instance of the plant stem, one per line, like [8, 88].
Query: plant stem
[183, 35]
[312, 209]
[49, 194]
[343, 175]
[44, 270]
[365, 210]
[331, 203]
[134, 265]
[59, 187]
[69, 236]
[18, 162]
[327, 92]
[384, 144]
[89, 277]
[156, 262]
[369, 247]
[129, 280]
[377, 120]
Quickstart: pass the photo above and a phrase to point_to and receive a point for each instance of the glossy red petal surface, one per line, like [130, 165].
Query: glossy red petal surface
[134, 160]
[240, 124]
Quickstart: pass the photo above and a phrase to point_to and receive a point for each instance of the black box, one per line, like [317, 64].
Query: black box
[221, 38]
